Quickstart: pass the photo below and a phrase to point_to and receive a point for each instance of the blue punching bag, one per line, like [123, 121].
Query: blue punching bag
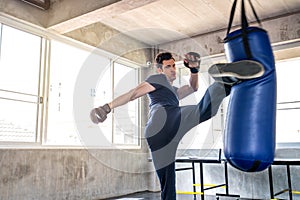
[249, 138]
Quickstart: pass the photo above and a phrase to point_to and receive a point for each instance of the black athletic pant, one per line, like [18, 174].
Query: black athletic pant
[166, 127]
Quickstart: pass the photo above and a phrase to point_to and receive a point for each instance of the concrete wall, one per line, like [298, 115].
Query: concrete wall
[280, 30]
[72, 174]
[110, 40]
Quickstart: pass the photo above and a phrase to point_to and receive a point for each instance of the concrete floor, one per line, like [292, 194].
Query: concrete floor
[156, 196]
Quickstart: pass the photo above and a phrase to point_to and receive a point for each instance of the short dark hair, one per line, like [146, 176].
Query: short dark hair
[161, 57]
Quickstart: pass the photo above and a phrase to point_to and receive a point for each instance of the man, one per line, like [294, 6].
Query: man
[168, 122]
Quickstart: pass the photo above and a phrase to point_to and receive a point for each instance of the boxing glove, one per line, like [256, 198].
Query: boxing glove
[99, 114]
[192, 57]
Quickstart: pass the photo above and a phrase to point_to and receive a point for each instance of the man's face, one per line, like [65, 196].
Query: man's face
[169, 69]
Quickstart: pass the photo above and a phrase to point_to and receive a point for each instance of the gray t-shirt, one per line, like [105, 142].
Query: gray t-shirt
[165, 94]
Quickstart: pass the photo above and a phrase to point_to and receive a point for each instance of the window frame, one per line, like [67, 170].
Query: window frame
[129, 64]
[44, 81]
[281, 106]
[38, 96]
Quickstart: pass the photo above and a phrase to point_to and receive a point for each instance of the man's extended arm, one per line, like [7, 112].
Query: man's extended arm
[140, 90]
[100, 114]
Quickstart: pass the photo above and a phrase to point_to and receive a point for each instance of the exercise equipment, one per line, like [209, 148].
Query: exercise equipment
[249, 137]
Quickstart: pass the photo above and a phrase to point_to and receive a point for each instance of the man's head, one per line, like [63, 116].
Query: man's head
[165, 64]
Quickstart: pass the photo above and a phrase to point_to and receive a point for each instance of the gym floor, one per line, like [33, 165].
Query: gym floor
[156, 196]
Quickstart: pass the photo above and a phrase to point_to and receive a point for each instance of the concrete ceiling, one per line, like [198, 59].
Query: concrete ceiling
[160, 21]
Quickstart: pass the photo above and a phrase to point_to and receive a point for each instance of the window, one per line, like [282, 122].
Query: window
[126, 118]
[288, 101]
[82, 80]
[19, 85]
[32, 66]
[65, 64]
